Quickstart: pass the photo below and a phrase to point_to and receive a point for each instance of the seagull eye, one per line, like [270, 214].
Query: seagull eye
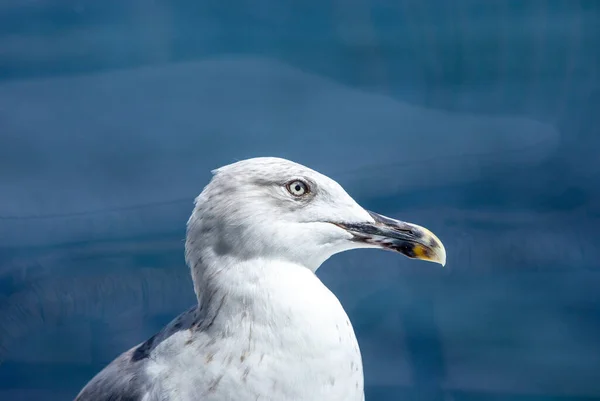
[297, 188]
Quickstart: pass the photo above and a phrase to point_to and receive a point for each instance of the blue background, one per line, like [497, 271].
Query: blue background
[476, 119]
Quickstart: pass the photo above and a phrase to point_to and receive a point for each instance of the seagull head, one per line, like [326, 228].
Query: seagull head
[275, 208]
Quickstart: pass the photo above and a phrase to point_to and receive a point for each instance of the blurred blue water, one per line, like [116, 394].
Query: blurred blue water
[477, 119]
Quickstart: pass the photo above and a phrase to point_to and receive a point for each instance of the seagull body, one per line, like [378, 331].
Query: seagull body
[265, 327]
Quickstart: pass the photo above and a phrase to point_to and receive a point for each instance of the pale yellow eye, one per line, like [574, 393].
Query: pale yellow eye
[297, 188]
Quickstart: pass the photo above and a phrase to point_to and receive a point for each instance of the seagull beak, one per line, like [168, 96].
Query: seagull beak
[411, 240]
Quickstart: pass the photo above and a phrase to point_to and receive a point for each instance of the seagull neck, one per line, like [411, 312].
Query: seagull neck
[261, 287]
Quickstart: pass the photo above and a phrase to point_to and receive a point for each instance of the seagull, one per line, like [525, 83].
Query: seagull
[265, 327]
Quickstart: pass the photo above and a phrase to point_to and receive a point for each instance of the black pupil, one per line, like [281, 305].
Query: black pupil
[297, 187]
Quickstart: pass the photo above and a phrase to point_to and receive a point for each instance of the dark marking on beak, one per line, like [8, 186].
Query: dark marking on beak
[409, 239]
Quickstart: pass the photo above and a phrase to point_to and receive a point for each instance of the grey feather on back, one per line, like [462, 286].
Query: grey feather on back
[124, 379]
